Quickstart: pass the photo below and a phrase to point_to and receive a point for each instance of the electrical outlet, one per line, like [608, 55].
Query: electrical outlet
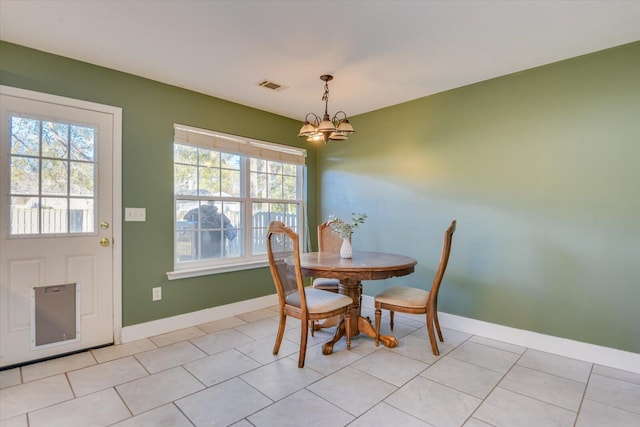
[157, 294]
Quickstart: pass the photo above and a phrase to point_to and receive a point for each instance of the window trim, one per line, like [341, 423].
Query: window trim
[222, 268]
[233, 144]
[247, 148]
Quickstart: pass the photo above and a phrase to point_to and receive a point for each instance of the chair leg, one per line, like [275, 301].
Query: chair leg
[347, 327]
[435, 318]
[283, 321]
[313, 327]
[437, 323]
[303, 342]
[430, 331]
[391, 313]
[378, 320]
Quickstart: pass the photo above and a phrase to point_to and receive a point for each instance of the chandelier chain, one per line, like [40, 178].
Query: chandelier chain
[325, 98]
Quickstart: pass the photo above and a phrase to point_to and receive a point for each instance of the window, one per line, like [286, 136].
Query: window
[52, 178]
[227, 190]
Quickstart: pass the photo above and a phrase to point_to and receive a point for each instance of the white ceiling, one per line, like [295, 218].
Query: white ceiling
[381, 53]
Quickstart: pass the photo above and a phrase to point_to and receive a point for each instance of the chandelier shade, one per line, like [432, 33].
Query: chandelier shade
[337, 128]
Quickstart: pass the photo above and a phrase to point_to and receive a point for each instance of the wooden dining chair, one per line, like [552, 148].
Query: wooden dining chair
[417, 301]
[328, 241]
[306, 304]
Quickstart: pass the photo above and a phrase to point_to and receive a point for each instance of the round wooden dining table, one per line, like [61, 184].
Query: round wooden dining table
[351, 272]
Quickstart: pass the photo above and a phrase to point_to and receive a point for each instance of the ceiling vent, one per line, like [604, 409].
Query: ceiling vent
[271, 85]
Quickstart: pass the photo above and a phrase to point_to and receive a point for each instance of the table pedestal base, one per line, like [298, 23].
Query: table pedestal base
[364, 326]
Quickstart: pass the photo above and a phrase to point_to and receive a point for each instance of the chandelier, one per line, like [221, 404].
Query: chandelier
[335, 129]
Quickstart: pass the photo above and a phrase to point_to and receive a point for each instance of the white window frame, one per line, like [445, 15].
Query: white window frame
[247, 148]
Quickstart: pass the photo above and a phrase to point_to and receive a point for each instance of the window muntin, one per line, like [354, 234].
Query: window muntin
[224, 203]
[52, 177]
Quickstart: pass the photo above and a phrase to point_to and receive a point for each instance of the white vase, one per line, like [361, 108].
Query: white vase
[345, 249]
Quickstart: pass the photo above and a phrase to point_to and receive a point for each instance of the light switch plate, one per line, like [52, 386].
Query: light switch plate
[135, 214]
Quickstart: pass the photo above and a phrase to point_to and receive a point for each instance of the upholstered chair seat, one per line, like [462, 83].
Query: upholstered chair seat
[404, 296]
[319, 301]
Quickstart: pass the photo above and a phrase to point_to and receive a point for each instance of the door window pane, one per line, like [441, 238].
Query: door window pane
[55, 140]
[82, 143]
[53, 214]
[81, 215]
[24, 215]
[82, 179]
[25, 136]
[52, 177]
[25, 175]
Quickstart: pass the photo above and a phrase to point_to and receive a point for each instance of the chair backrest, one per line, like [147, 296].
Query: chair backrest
[328, 241]
[284, 262]
[444, 260]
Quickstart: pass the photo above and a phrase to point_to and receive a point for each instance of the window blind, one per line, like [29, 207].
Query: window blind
[232, 144]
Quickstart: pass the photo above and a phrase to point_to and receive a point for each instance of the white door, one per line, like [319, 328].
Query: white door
[56, 235]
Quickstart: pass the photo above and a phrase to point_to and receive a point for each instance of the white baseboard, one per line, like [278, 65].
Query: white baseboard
[592, 353]
[169, 324]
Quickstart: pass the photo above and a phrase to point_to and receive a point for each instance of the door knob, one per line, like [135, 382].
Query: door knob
[104, 241]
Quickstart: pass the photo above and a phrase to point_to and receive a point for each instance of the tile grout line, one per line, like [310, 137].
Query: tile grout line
[494, 387]
[441, 357]
[584, 393]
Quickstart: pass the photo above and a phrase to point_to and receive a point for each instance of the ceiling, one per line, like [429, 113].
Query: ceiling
[381, 53]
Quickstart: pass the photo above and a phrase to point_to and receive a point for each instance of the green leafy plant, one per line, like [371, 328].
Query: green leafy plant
[343, 228]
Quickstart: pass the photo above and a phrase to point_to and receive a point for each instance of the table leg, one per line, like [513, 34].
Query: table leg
[367, 328]
[327, 348]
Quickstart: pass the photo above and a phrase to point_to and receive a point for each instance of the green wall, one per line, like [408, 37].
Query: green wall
[542, 171]
[540, 168]
[149, 111]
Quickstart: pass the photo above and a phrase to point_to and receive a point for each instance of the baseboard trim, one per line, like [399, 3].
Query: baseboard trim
[169, 324]
[592, 353]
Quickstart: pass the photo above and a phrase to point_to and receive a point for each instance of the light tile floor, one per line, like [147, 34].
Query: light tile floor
[223, 373]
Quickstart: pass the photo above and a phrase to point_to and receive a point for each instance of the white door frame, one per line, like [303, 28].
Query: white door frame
[116, 113]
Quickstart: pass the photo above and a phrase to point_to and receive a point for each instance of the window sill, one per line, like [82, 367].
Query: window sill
[196, 272]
